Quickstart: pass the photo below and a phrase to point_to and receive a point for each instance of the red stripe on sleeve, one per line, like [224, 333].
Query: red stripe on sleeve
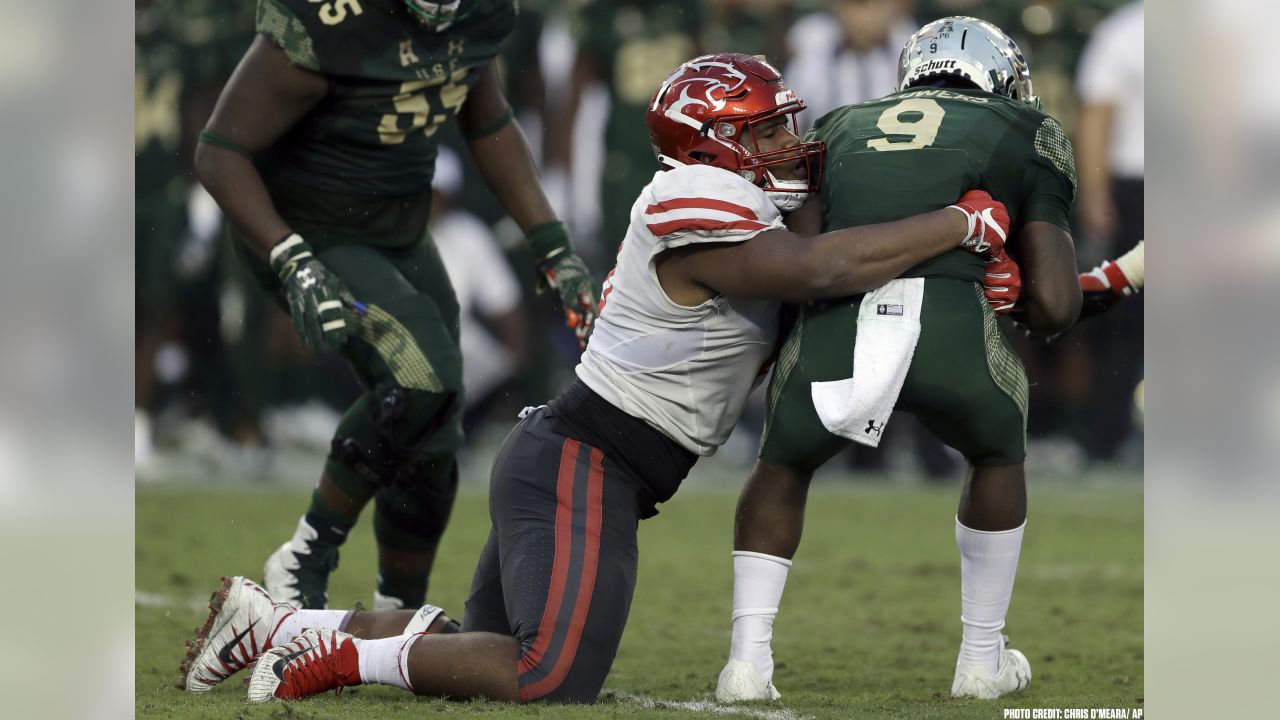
[674, 226]
[702, 204]
[586, 583]
[560, 567]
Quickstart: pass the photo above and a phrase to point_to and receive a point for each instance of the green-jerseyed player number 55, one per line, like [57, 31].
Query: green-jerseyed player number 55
[413, 102]
[918, 117]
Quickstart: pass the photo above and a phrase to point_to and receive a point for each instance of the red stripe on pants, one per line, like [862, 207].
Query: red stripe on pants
[560, 568]
[586, 584]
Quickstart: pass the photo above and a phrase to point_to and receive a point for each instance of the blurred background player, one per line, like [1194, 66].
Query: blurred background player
[1109, 145]
[320, 152]
[965, 109]
[184, 51]
[492, 323]
[627, 48]
[691, 304]
[847, 54]
[620, 51]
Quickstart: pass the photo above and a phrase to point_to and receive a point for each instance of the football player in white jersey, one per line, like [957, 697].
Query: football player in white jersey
[687, 324]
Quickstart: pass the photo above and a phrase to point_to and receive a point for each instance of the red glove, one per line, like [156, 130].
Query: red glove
[1106, 284]
[1003, 284]
[988, 223]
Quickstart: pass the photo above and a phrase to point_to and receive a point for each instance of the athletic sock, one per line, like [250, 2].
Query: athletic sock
[758, 581]
[988, 566]
[397, 591]
[386, 661]
[293, 625]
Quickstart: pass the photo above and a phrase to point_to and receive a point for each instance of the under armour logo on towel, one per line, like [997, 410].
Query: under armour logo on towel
[873, 427]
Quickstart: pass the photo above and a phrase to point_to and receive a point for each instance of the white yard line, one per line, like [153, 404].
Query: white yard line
[709, 707]
[158, 600]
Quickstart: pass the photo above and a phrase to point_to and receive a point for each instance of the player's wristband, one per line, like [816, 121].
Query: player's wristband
[288, 251]
[549, 241]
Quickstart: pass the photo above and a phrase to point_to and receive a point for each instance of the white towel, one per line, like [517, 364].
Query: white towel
[888, 329]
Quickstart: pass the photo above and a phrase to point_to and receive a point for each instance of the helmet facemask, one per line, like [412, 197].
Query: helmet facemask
[718, 110]
[803, 159]
[739, 134]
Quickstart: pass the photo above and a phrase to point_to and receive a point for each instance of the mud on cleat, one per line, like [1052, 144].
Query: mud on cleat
[976, 681]
[298, 571]
[243, 620]
[315, 662]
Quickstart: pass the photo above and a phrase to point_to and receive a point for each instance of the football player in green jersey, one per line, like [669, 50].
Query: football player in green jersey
[321, 152]
[964, 116]
[160, 207]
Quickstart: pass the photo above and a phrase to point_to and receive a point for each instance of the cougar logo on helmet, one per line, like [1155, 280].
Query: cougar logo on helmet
[718, 80]
[708, 111]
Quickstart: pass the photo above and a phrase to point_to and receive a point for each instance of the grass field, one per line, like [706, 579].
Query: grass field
[869, 628]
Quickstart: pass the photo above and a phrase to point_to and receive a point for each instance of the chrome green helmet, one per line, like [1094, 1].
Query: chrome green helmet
[968, 48]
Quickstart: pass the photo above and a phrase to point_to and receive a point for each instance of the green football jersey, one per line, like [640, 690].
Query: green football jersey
[393, 82]
[921, 149]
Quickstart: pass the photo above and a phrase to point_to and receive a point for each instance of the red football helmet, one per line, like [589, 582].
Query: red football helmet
[702, 112]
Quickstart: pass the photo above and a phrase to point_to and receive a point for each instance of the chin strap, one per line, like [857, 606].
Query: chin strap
[669, 162]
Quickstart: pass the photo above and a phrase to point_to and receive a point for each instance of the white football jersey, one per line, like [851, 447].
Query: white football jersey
[686, 371]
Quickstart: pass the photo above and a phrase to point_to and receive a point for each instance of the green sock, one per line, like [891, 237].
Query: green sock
[408, 587]
[331, 526]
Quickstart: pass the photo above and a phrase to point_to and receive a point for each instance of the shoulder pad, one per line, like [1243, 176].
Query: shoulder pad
[707, 202]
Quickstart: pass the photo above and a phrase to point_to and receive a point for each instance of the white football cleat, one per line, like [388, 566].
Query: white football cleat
[740, 680]
[314, 662]
[298, 571]
[975, 681]
[243, 620]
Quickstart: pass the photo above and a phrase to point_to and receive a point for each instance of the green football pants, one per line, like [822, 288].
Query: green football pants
[965, 383]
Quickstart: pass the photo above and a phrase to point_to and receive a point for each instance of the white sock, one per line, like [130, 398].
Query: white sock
[386, 661]
[758, 581]
[988, 566]
[292, 626]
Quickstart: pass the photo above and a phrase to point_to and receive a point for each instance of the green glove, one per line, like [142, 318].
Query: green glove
[315, 295]
[563, 270]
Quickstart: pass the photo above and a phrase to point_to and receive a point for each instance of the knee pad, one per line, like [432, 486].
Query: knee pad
[412, 514]
[414, 426]
[387, 436]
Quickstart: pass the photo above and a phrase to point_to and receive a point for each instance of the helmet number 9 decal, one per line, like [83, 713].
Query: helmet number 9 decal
[923, 127]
